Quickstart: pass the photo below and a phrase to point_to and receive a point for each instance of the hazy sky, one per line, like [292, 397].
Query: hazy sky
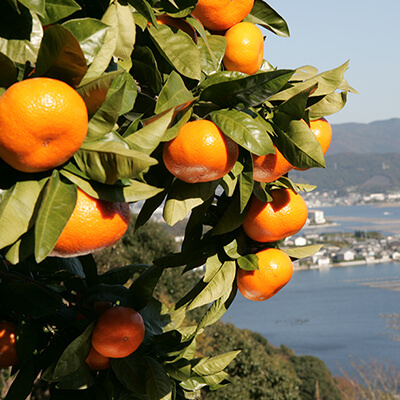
[327, 33]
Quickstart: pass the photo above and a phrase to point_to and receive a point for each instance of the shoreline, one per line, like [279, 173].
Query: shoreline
[345, 264]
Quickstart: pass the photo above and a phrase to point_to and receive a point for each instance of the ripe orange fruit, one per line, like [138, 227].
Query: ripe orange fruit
[179, 23]
[200, 153]
[93, 225]
[219, 15]
[244, 48]
[322, 131]
[8, 347]
[119, 331]
[284, 216]
[270, 167]
[275, 271]
[96, 361]
[43, 122]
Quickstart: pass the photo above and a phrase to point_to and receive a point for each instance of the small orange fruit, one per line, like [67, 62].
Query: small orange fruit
[96, 361]
[8, 347]
[244, 48]
[270, 167]
[179, 23]
[119, 331]
[275, 271]
[219, 15]
[200, 153]
[93, 225]
[284, 216]
[43, 122]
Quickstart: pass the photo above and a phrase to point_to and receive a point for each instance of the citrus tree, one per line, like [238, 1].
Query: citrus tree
[180, 112]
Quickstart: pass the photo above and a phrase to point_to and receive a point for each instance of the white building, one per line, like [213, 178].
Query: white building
[316, 217]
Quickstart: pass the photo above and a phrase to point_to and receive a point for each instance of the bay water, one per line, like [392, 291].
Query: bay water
[337, 314]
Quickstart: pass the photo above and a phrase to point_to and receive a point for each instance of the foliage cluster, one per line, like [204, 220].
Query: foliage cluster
[140, 82]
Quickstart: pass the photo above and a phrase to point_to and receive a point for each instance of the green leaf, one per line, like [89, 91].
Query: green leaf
[248, 262]
[109, 161]
[297, 143]
[120, 99]
[56, 207]
[215, 286]
[178, 8]
[213, 365]
[21, 386]
[158, 385]
[179, 49]
[56, 10]
[94, 92]
[296, 105]
[60, 56]
[212, 50]
[90, 33]
[121, 275]
[262, 14]
[329, 104]
[79, 380]
[296, 253]
[74, 355]
[244, 129]
[327, 82]
[17, 208]
[183, 197]
[145, 68]
[239, 90]
[174, 93]
[144, 8]
[37, 6]
[9, 72]
[126, 32]
[147, 139]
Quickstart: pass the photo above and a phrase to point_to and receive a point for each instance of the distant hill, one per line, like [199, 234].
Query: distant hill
[375, 137]
[363, 172]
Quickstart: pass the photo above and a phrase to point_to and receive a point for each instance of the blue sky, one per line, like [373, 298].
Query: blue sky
[327, 33]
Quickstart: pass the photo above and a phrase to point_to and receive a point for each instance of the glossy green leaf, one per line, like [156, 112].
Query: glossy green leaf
[9, 72]
[245, 129]
[174, 93]
[145, 68]
[37, 6]
[60, 56]
[90, 33]
[78, 380]
[329, 104]
[183, 197]
[120, 99]
[109, 161]
[216, 285]
[56, 207]
[179, 50]
[20, 26]
[178, 8]
[296, 105]
[94, 92]
[131, 372]
[17, 209]
[297, 143]
[264, 15]
[212, 50]
[248, 262]
[158, 384]
[144, 8]
[215, 364]
[235, 90]
[327, 82]
[56, 10]
[296, 253]
[149, 137]
[74, 355]
[126, 32]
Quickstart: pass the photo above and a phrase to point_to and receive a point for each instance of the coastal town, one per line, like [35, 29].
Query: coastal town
[340, 248]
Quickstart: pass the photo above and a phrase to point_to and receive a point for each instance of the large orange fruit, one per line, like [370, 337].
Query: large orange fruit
[270, 167]
[43, 122]
[244, 48]
[96, 361]
[219, 15]
[284, 216]
[8, 347]
[119, 331]
[275, 271]
[322, 131]
[200, 153]
[93, 225]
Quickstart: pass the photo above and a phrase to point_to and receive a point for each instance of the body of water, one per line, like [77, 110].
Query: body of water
[333, 314]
